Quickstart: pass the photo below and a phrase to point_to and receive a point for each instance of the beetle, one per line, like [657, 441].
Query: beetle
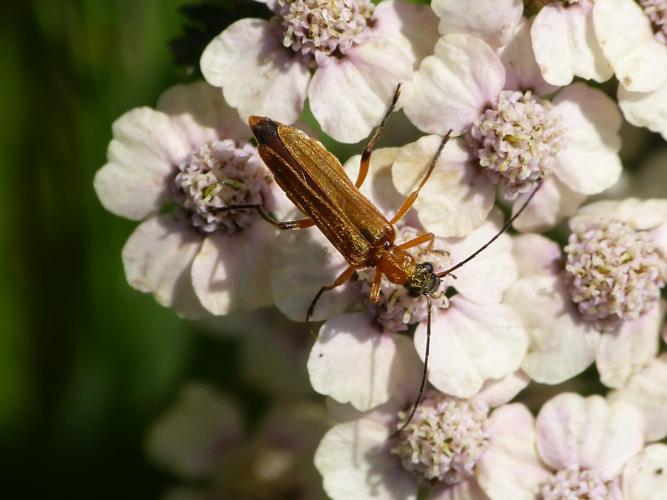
[314, 180]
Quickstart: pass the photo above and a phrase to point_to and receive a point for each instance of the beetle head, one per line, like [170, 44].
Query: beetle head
[424, 281]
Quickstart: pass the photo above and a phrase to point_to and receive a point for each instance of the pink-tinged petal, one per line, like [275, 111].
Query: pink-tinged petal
[510, 467]
[468, 489]
[659, 235]
[191, 437]
[647, 390]
[630, 348]
[554, 202]
[355, 462]
[523, 73]
[141, 158]
[457, 197]
[353, 361]
[498, 392]
[303, 262]
[350, 95]
[414, 26]
[201, 112]
[157, 259]
[639, 214]
[471, 343]
[231, 271]
[536, 254]
[561, 345]
[485, 278]
[645, 474]
[378, 186]
[589, 433]
[257, 74]
[565, 44]
[588, 162]
[645, 109]
[493, 21]
[638, 58]
[452, 87]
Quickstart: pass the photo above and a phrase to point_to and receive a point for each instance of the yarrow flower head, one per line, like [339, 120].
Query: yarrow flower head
[601, 299]
[444, 440]
[615, 272]
[219, 174]
[656, 10]
[193, 156]
[517, 141]
[321, 29]
[357, 53]
[574, 482]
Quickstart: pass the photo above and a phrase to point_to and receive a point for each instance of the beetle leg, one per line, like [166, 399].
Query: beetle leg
[375, 288]
[422, 238]
[342, 278]
[288, 224]
[366, 154]
[410, 199]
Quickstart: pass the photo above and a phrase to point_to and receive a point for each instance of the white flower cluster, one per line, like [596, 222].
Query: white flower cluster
[529, 308]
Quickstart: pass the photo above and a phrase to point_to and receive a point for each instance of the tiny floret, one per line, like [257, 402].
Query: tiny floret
[656, 11]
[517, 141]
[614, 272]
[321, 29]
[574, 483]
[445, 438]
[219, 174]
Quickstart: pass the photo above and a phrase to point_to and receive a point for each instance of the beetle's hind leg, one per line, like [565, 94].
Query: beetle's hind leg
[365, 163]
[342, 278]
[287, 224]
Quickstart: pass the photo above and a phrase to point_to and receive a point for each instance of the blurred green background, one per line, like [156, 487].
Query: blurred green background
[86, 363]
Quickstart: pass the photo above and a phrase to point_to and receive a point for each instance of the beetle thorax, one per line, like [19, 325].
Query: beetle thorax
[396, 264]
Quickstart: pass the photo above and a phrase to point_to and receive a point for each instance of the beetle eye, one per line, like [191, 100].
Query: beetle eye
[428, 266]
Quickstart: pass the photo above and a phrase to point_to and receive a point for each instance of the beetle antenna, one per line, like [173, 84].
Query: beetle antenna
[507, 225]
[422, 385]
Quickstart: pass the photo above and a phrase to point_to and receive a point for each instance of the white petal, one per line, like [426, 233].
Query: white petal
[257, 74]
[645, 474]
[510, 468]
[561, 345]
[157, 259]
[647, 390]
[232, 271]
[645, 109]
[456, 199]
[536, 254]
[589, 433]
[354, 362]
[638, 58]
[452, 87]
[627, 350]
[498, 392]
[470, 344]
[523, 73]
[485, 278]
[303, 262]
[551, 204]
[467, 489]
[588, 162]
[141, 161]
[201, 112]
[414, 26]
[350, 95]
[565, 44]
[493, 21]
[639, 214]
[189, 439]
[355, 462]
